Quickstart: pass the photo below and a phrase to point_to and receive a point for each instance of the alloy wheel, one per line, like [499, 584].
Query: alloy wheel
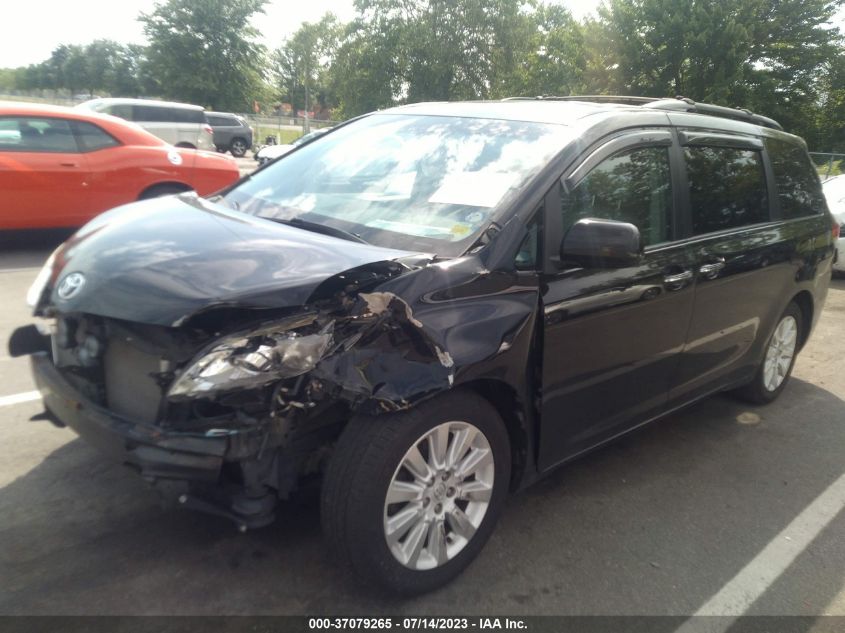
[238, 148]
[438, 495]
[780, 353]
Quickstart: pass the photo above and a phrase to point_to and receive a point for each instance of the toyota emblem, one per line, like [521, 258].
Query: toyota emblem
[71, 285]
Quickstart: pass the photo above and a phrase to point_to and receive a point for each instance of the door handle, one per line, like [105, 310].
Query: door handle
[69, 164]
[712, 270]
[677, 281]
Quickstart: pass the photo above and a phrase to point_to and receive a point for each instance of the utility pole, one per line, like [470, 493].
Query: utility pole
[306, 128]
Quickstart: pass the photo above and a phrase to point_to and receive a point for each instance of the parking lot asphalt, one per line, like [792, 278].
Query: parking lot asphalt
[720, 508]
[246, 164]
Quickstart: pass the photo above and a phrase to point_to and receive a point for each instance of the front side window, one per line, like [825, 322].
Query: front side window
[727, 188]
[148, 114]
[36, 134]
[122, 110]
[799, 190]
[631, 186]
[411, 182]
[528, 256]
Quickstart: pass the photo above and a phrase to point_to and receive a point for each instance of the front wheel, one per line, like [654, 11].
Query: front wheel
[781, 351]
[409, 499]
[238, 147]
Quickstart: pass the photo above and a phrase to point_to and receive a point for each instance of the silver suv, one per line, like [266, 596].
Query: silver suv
[180, 124]
[231, 133]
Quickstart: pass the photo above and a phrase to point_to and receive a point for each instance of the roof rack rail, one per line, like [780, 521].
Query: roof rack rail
[683, 104]
[676, 104]
[597, 98]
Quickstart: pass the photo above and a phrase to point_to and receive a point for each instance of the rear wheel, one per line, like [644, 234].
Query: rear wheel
[238, 147]
[409, 499]
[779, 358]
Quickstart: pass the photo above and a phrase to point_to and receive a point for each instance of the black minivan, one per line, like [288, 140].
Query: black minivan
[431, 306]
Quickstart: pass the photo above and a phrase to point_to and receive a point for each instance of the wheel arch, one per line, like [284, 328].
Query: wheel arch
[804, 300]
[504, 398]
[145, 193]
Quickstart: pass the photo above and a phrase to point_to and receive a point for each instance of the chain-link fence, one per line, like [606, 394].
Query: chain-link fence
[281, 129]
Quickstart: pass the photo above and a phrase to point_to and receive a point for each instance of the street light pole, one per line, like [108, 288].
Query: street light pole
[306, 128]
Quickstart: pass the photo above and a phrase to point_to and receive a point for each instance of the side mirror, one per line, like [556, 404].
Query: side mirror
[594, 243]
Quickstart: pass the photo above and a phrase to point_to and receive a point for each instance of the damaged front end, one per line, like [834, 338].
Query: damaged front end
[234, 406]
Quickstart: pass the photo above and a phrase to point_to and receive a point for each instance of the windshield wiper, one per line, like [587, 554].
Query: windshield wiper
[320, 228]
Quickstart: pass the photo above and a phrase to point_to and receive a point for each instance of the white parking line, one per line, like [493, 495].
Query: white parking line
[735, 598]
[18, 398]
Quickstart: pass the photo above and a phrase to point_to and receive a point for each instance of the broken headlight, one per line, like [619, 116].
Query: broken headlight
[252, 360]
[33, 295]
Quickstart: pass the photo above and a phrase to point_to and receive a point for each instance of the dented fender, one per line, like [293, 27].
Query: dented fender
[415, 342]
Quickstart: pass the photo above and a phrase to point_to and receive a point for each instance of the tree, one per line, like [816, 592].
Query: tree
[547, 55]
[366, 74]
[766, 55]
[205, 51]
[73, 73]
[399, 51]
[304, 61]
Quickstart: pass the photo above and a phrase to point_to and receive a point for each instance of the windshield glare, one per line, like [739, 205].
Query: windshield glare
[422, 183]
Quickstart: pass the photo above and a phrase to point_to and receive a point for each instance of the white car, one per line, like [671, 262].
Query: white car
[272, 152]
[834, 192]
[180, 124]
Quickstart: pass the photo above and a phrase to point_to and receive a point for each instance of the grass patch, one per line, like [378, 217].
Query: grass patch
[283, 136]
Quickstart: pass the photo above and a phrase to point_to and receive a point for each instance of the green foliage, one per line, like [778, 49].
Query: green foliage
[205, 51]
[303, 61]
[765, 55]
[549, 56]
[436, 50]
[782, 58]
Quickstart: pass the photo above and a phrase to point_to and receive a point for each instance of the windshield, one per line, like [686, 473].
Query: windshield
[422, 183]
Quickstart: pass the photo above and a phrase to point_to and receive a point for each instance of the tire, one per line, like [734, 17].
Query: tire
[371, 455]
[775, 369]
[156, 191]
[186, 145]
[238, 147]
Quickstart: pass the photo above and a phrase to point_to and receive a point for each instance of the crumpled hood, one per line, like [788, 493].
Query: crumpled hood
[161, 260]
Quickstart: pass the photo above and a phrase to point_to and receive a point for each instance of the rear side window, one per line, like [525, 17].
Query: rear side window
[727, 188]
[35, 134]
[798, 186]
[631, 186]
[92, 137]
[223, 121]
[162, 114]
[144, 114]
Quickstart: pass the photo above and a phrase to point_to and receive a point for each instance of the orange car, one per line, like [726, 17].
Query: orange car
[59, 167]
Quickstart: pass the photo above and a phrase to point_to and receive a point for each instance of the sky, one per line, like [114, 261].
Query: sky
[83, 21]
